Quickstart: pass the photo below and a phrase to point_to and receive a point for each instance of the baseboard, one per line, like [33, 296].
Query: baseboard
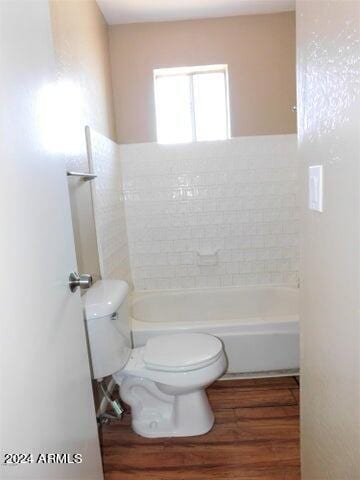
[104, 402]
[275, 373]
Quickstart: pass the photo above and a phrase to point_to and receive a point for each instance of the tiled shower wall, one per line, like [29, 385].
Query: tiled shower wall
[109, 208]
[212, 214]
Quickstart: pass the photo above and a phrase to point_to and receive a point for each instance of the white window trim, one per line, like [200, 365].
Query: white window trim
[191, 71]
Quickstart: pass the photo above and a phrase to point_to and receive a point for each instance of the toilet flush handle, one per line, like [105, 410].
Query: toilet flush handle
[76, 280]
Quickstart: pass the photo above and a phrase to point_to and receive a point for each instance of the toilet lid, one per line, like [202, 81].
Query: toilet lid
[182, 351]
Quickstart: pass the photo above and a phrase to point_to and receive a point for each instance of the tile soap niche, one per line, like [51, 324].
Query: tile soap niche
[207, 259]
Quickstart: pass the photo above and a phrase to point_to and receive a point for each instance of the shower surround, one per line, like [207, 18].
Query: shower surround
[212, 214]
[109, 206]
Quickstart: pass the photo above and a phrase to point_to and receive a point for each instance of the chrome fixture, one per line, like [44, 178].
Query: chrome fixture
[83, 281]
[85, 176]
[294, 108]
[115, 403]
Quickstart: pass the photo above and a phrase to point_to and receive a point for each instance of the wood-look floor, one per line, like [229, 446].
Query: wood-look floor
[255, 437]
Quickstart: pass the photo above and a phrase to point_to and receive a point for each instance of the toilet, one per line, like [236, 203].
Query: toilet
[164, 381]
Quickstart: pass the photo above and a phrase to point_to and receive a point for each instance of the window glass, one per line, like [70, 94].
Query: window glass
[210, 106]
[173, 109]
[191, 104]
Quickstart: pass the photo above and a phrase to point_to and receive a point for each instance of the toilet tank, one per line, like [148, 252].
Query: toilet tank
[108, 326]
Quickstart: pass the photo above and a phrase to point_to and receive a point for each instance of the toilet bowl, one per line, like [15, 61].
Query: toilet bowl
[164, 381]
[164, 384]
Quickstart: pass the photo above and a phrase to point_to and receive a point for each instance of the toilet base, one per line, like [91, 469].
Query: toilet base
[193, 414]
[157, 414]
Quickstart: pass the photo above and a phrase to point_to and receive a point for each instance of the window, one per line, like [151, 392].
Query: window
[191, 104]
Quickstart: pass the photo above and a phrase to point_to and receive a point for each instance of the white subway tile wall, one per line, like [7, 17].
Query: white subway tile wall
[109, 208]
[212, 214]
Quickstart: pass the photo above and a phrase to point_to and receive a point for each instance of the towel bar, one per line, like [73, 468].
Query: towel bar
[85, 176]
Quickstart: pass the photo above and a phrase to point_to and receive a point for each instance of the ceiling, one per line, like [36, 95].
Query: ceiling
[133, 11]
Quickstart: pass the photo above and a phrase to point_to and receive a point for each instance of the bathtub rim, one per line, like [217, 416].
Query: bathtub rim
[173, 291]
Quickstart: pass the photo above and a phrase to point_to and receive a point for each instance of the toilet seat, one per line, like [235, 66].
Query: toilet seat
[196, 377]
[194, 374]
[181, 352]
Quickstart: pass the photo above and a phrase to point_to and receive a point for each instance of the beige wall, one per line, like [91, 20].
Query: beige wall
[82, 51]
[260, 52]
[329, 113]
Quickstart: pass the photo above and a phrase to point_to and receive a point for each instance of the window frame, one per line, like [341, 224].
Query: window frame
[191, 72]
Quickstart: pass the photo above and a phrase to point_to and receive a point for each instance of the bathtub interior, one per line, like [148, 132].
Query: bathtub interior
[214, 305]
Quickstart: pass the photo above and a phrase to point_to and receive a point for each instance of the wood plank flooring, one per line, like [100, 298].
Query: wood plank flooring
[255, 437]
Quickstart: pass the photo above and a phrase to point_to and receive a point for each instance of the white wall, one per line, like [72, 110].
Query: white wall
[237, 197]
[328, 105]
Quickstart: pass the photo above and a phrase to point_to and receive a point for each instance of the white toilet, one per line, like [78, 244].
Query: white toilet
[163, 382]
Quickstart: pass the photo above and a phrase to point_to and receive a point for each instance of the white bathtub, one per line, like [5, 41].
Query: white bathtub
[259, 326]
